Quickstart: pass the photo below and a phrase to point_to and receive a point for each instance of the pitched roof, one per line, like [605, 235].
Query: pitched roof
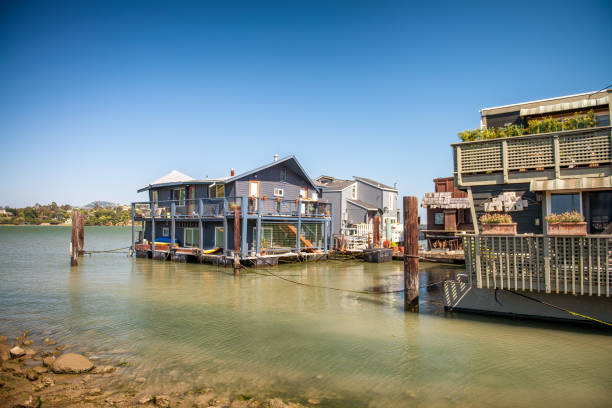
[274, 163]
[338, 184]
[363, 205]
[374, 183]
[173, 177]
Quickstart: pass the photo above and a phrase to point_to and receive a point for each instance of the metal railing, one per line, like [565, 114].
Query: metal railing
[582, 147]
[215, 207]
[543, 263]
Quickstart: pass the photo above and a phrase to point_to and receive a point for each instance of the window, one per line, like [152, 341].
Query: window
[192, 237]
[560, 203]
[314, 196]
[178, 194]
[253, 188]
[439, 218]
[279, 192]
[216, 191]
[155, 195]
[391, 202]
[283, 174]
[303, 192]
[165, 232]
[354, 192]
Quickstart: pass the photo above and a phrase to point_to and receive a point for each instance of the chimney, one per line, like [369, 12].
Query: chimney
[395, 185]
[232, 173]
[276, 157]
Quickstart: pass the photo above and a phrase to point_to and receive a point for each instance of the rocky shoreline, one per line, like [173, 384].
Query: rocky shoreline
[40, 373]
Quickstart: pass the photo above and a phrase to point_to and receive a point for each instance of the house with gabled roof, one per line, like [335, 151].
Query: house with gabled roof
[273, 202]
[358, 202]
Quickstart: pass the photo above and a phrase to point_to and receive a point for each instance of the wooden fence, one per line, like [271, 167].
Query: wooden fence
[579, 265]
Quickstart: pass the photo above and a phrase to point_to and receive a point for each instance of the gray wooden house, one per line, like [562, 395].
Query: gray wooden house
[273, 202]
[359, 201]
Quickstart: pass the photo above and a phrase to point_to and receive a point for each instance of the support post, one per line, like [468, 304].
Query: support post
[557, 156]
[377, 231]
[331, 226]
[505, 159]
[172, 226]
[546, 248]
[152, 230]
[200, 227]
[244, 210]
[236, 241]
[133, 228]
[325, 236]
[472, 210]
[258, 233]
[225, 232]
[74, 239]
[411, 254]
[298, 244]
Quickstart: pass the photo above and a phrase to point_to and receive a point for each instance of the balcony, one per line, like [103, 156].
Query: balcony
[545, 156]
[217, 208]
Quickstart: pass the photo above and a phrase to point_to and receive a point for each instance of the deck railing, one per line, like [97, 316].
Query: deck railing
[567, 149]
[217, 207]
[579, 265]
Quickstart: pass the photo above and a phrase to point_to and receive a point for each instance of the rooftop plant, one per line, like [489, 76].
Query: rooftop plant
[496, 218]
[546, 124]
[573, 216]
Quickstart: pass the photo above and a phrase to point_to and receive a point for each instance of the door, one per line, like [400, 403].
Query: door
[253, 194]
[219, 236]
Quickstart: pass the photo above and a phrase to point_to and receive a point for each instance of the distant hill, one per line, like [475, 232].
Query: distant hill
[101, 204]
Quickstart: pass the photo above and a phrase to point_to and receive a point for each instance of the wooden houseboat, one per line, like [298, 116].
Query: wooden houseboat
[195, 217]
[531, 160]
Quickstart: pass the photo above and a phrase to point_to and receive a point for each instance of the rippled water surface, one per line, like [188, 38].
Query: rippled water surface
[191, 325]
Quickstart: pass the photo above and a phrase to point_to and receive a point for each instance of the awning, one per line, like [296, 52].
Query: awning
[585, 183]
[584, 103]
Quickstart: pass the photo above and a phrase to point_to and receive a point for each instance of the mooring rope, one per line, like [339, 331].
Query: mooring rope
[116, 250]
[559, 308]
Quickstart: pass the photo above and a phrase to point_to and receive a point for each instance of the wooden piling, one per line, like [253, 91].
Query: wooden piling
[377, 232]
[236, 241]
[77, 238]
[411, 254]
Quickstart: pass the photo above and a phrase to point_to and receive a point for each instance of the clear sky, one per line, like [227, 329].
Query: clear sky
[98, 99]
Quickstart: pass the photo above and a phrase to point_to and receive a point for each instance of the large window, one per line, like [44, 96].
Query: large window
[283, 174]
[560, 203]
[354, 191]
[216, 191]
[155, 196]
[192, 237]
[178, 194]
[599, 211]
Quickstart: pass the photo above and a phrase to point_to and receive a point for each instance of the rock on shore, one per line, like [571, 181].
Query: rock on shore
[71, 363]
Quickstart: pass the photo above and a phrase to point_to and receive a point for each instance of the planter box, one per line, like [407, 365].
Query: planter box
[499, 229]
[567, 228]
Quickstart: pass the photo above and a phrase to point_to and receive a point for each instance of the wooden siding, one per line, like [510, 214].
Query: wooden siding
[525, 219]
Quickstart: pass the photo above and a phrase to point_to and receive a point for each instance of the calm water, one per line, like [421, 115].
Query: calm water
[197, 325]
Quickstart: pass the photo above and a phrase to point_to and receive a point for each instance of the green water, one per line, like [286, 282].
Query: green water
[190, 325]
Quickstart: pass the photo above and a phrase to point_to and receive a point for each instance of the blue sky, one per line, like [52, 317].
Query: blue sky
[99, 98]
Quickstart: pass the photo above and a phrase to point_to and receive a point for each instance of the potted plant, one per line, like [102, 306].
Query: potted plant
[497, 224]
[568, 223]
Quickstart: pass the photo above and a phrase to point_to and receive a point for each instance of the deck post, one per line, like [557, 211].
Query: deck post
[225, 233]
[200, 229]
[236, 241]
[258, 233]
[244, 211]
[152, 206]
[411, 254]
[546, 248]
[557, 156]
[472, 210]
[325, 236]
[331, 226]
[172, 226]
[133, 228]
[298, 244]
[477, 260]
[505, 159]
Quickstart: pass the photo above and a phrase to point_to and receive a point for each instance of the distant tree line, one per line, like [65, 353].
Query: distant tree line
[54, 214]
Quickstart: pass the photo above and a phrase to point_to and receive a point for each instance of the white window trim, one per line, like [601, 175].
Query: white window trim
[548, 208]
[185, 237]
[216, 243]
[279, 192]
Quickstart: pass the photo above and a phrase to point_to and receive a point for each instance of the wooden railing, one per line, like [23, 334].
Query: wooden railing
[552, 151]
[579, 265]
